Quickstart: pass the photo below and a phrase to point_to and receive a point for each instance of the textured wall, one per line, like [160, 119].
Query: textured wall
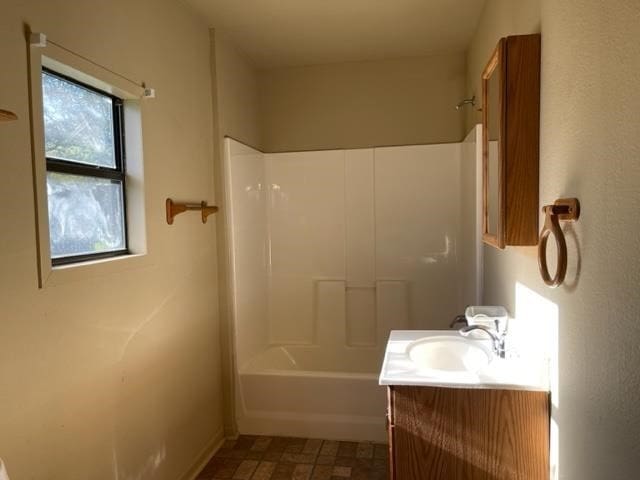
[499, 18]
[589, 149]
[236, 82]
[362, 104]
[116, 374]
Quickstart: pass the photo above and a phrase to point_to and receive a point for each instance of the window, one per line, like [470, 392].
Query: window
[88, 168]
[85, 170]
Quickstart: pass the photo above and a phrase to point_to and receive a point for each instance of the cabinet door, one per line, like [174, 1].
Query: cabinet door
[470, 434]
[510, 144]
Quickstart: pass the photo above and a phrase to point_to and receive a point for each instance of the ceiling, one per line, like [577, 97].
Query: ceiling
[277, 33]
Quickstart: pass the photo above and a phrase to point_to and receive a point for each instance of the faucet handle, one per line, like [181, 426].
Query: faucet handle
[459, 319]
[501, 326]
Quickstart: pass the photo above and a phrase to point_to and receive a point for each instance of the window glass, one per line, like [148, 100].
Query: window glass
[85, 170]
[78, 123]
[86, 215]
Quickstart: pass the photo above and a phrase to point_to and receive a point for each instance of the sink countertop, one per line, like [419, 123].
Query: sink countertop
[513, 373]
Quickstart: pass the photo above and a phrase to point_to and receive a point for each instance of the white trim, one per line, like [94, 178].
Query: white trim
[37, 39]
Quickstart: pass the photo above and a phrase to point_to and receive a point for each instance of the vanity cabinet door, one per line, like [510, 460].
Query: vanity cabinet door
[469, 434]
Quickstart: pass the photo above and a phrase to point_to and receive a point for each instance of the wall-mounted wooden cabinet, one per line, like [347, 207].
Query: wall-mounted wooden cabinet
[511, 133]
[468, 434]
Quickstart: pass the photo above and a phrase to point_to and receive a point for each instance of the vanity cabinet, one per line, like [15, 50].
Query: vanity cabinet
[510, 144]
[440, 433]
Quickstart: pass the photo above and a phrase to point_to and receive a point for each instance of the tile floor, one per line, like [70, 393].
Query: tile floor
[283, 458]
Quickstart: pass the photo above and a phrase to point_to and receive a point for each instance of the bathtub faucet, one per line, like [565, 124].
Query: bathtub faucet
[497, 337]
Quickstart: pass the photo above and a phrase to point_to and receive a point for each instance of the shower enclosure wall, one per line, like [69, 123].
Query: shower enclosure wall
[331, 250]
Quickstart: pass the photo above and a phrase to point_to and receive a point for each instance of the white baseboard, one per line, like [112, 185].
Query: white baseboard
[205, 455]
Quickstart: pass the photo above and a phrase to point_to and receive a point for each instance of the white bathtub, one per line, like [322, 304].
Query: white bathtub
[298, 391]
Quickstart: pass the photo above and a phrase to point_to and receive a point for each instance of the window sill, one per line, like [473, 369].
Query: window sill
[82, 271]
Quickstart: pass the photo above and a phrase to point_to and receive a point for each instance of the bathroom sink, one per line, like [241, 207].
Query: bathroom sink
[448, 355]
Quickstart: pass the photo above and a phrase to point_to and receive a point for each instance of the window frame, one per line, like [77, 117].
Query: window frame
[118, 173]
[63, 61]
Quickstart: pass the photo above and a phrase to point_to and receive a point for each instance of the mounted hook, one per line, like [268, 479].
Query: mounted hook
[7, 116]
[467, 101]
[565, 209]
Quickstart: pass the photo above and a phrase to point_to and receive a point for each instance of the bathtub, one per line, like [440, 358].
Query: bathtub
[300, 391]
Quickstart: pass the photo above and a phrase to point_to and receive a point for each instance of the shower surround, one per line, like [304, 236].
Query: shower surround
[330, 250]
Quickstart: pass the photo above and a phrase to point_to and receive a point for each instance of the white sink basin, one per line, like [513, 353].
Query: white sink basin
[448, 355]
[444, 358]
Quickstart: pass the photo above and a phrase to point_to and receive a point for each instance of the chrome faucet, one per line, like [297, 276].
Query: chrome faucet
[497, 337]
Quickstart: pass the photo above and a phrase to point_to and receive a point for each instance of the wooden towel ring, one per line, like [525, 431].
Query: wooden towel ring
[566, 209]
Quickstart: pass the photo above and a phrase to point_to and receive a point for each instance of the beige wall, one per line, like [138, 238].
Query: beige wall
[234, 83]
[589, 149]
[113, 375]
[363, 104]
[498, 19]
